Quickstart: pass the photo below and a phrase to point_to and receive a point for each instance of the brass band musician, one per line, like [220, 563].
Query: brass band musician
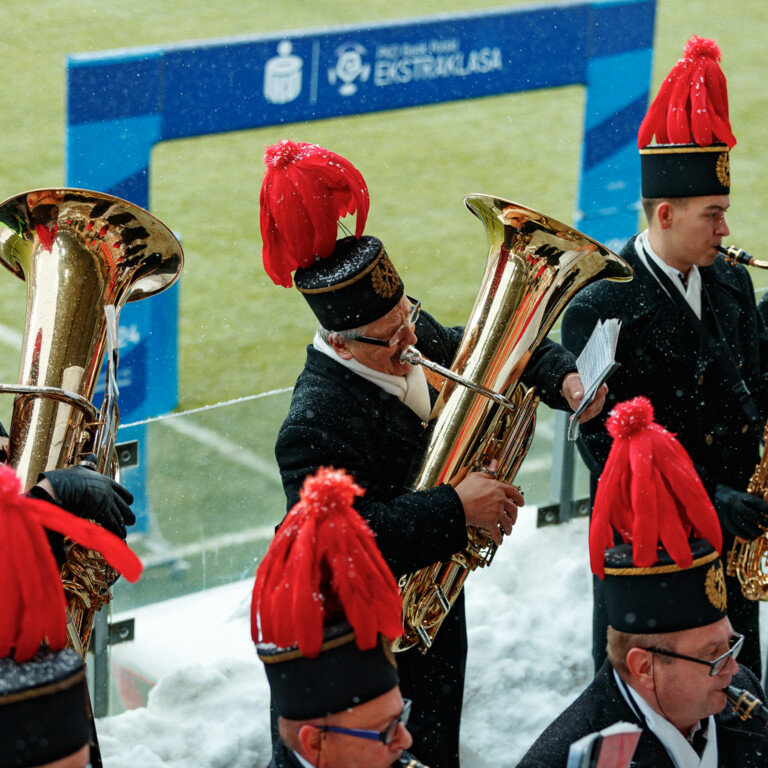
[671, 648]
[357, 406]
[691, 337]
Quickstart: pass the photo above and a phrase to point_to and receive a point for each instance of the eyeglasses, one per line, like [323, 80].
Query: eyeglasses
[397, 336]
[716, 666]
[387, 736]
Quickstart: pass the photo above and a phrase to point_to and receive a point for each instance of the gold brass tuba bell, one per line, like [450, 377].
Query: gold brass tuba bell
[535, 266]
[83, 254]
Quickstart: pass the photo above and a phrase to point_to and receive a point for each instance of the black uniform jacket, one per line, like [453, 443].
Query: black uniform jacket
[339, 419]
[662, 357]
[740, 744]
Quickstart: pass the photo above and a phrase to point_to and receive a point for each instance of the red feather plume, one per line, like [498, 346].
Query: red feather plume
[649, 492]
[324, 561]
[305, 191]
[692, 103]
[33, 605]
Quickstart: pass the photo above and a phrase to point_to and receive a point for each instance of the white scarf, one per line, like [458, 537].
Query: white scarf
[691, 291]
[679, 748]
[411, 389]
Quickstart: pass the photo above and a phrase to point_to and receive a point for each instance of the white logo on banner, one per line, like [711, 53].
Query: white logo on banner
[282, 75]
[349, 68]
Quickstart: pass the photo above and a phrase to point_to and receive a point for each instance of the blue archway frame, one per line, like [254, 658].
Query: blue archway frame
[120, 104]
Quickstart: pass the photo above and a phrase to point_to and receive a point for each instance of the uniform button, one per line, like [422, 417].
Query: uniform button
[709, 439]
[701, 380]
[745, 429]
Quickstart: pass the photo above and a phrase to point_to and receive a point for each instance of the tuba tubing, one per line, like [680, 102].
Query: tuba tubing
[83, 255]
[484, 417]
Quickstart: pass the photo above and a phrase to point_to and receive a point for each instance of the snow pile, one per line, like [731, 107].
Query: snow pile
[529, 618]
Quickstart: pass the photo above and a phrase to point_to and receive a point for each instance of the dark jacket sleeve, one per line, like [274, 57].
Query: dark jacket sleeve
[549, 365]
[579, 321]
[413, 530]
[339, 419]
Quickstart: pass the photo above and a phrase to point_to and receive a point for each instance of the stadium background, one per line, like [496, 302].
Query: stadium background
[213, 486]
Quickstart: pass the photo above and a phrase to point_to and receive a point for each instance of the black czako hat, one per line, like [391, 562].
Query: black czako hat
[43, 708]
[689, 118]
[325, 605]
[306, 189]
[44, 712]
[664, 597]
[667, 574]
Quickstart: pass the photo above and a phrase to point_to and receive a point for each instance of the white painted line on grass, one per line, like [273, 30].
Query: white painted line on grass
[225, 447]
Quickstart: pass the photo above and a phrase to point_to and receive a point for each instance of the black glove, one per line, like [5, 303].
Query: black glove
[92, 496]
[741, 514]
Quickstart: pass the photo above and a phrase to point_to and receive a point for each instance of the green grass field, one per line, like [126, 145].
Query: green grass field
[240, 334]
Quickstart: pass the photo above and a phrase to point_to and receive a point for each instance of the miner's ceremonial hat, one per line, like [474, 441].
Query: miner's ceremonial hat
[43, 708]
[689, 118]
[666, 574]
[325, 605]
[44, 712]
[347, 282]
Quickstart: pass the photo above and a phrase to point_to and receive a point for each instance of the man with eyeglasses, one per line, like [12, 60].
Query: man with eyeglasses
[359, 406]
[692, 339]
[327, 650]
[671, 649]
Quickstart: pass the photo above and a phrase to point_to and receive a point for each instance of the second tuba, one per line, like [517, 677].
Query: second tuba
[484, 417]
[83, 255]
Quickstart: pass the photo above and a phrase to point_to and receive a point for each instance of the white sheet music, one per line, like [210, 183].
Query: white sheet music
[613, 747]
[594, 365]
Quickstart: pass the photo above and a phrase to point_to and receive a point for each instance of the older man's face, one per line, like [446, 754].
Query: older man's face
[386, 359]
[685, 691]
[340, 750]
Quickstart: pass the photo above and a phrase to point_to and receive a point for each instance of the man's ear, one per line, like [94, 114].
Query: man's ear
[340, 347]
[663, 214]
[310, 737]
[640, 665]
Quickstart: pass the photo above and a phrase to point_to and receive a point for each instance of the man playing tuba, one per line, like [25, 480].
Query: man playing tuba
[357, 406]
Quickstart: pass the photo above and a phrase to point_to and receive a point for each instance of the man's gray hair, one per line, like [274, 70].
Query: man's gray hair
[342, 336]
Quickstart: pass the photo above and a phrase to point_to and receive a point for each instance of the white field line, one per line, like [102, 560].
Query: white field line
[225, 447]
[165, 552]
[11, 337]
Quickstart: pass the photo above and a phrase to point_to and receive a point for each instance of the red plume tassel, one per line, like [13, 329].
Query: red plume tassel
[692, 103]
[305, 191]
[649, 493]
[33, 606]
[323, 561]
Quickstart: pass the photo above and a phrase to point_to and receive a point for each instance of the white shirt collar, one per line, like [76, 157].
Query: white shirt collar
[679, 748]
[302, 761]
[411, 389]
[691, 291]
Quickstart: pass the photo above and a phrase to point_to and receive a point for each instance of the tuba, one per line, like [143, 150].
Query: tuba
[484, 417]
[83, 255]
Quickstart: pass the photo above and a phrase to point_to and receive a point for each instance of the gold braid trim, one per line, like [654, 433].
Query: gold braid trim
[44, 690]
[664, 149]
[661, 569]
[297, 654]
[356, 278]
